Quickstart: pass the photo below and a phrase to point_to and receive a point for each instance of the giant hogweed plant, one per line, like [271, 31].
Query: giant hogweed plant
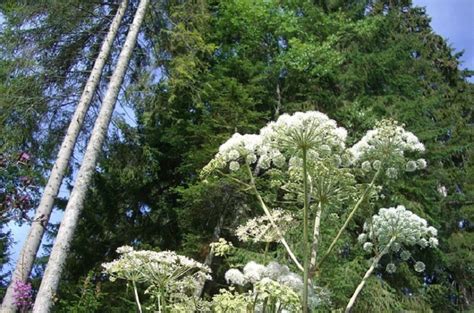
[305, 158]
[317, 174]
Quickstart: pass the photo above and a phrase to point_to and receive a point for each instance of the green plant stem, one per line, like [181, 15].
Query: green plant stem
[305, 233]
[162, 301]
[315, 243]
[272, 222]
[265, 253]
[349, 218]
[376, 261]
[234, 179]
[137, 299]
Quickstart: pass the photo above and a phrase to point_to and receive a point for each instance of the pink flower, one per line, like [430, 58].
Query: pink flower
[23, 295]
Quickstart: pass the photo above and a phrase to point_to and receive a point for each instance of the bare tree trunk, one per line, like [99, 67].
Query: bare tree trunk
[52, 275]
[30, 247]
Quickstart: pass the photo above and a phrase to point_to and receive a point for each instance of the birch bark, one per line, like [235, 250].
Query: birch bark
[52, 275]
[30, 247]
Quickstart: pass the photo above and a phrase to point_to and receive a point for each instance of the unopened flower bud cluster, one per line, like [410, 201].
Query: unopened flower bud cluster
[406, 228]
[387, 143]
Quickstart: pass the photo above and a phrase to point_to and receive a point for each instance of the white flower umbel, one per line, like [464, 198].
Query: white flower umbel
[221, 247]
[407, 228]
[236, 277]
[388, 144]
[280, 281]
[391, 230]
[260, 229]
[386, 137]
[420, 266]
[163, 272]
[238, 149]
[311, 136]
[254, 272]
[311, 130]
[391, 268]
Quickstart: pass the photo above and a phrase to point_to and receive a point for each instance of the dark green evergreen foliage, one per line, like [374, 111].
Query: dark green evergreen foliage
[231, 66]
[5, 242]
[207, 69]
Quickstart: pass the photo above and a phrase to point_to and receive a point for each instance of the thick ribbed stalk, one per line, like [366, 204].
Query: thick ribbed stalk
[74, 207]
[349, 218]
[137, 299]
[33, 241]
[272, 222]
[305, 232]
[367, 275]
[315, 243]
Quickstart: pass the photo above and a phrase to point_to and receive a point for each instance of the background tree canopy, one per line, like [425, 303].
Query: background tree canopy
[203, 70]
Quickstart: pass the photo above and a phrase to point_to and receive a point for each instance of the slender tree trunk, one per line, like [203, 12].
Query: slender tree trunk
[30, 248]
[52, 275]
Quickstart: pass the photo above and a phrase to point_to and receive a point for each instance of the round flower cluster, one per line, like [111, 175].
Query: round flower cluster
[391, 268]
[276, 273]
[311, 130]
[387, 135]
[222, 247]
[239, 147]
[408, 228]
[398, 227]
[254, 272]
[387, 141]
[259, 229]
[157, 268]
[280, 140]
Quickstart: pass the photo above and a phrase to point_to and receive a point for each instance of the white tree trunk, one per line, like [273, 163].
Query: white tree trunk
[50, 282]
[30, 247]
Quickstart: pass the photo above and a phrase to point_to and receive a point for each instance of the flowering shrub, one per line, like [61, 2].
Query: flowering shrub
[23, 296]
[18, 191]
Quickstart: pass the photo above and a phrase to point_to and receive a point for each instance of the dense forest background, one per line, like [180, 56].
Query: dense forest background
[201, 71]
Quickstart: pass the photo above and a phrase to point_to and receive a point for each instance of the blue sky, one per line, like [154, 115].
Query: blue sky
[452, 19]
